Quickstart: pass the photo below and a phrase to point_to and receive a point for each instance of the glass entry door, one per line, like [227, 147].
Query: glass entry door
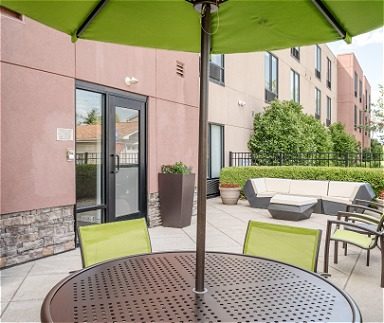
[110, 155]
[127, 158]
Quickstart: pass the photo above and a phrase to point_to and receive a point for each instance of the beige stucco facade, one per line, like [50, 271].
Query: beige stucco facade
[244, 81]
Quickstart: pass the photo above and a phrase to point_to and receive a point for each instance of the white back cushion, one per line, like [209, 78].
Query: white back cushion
[307, 187]
[343, 189]
[258, 185]
[279, 185]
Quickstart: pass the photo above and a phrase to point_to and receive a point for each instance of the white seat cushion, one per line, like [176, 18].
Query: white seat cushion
[266, 194]
[280, 185]
[258, 185]
[307, 187]
[343, 200]
[343, 189]
[293, 200]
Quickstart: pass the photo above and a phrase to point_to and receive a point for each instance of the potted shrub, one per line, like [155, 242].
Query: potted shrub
[380, 199]
[176, 189]
[229, 193]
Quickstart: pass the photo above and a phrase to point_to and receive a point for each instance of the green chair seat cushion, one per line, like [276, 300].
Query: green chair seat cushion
[101, 242]
[358, 239]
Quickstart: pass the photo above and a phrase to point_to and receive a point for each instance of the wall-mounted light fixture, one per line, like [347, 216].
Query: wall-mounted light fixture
[131, 80]
[241, 103]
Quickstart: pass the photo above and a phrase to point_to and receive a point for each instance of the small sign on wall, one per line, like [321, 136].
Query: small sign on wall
[64, 134]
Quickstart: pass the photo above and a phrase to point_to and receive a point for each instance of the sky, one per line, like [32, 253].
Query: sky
[368, 49]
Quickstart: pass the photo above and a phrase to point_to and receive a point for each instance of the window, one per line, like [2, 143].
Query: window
[360, 120]
[271, 65]
[329, 73]
[216, 68]
[318, 62]
[366, 126]
[355, 84]
[295, 52]
[366, 100]
[318, 104]
[355, 118]
[329, 111]
[295, 86]
[369, 103]
[360, 90]
[216, 150]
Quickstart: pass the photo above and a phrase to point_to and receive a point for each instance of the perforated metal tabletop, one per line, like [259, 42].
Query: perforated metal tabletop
[158, 287]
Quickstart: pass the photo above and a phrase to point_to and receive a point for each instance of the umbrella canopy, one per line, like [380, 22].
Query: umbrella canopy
[238, 25]
[216, 26]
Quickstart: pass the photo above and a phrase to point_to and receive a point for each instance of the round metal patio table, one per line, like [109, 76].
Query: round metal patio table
[158, 287]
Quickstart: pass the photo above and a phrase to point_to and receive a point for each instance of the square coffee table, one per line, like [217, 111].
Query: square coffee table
[291, 207]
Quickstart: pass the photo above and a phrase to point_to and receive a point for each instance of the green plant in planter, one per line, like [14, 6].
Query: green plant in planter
[176, 189]
[177, 168]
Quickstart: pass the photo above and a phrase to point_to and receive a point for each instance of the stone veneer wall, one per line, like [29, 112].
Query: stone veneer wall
[154, 216]
[34, 234]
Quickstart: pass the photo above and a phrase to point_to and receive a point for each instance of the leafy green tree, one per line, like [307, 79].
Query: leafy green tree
[377, 122]
[376, 147]
[283, 127]
[318, 135]
[92, 117]
[342, 141]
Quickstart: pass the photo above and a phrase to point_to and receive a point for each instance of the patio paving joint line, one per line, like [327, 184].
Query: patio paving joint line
[225, 233]
[17, 289]
[352, 270]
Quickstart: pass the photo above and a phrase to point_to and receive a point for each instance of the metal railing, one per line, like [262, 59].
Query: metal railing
[360, 159]
[96, 158]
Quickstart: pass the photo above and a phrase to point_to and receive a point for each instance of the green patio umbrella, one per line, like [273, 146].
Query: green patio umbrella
[206, 26]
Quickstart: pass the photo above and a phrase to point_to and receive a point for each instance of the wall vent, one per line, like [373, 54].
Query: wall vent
[180, 69]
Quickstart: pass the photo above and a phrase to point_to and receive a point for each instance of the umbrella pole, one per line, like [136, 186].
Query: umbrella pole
[202, 163]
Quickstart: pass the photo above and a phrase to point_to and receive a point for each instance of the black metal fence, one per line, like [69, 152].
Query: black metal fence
[95, 158]
[360, 159]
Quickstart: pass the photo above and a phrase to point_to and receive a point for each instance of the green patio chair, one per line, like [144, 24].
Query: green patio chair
[369, 217]
[101, 242]
[356, 229]
[292, 245]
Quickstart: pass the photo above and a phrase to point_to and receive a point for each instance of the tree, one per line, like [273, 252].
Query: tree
[284, 128]
[319, 136]
[377, 121]
[92, 117]
[342, 141]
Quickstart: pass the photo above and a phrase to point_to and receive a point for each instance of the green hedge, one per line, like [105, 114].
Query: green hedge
[86, 181]
[240, 175]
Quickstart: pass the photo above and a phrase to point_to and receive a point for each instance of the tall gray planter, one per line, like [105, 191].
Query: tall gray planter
[176, 199]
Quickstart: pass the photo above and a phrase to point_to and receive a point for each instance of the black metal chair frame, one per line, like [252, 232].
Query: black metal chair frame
[363, 228]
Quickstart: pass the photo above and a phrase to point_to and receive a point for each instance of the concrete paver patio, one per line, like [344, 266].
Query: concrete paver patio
[23, 287]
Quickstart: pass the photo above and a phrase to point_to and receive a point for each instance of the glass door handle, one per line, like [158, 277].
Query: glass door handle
[118, 164]
[115, 163]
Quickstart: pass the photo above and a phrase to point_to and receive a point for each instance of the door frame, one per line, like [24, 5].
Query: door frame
[113, 101]
[109, 93]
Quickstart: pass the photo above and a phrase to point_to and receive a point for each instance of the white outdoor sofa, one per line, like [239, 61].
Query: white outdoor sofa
[332, 196]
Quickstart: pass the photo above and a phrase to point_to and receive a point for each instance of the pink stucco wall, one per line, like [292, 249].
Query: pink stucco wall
[347, 65]
[39, 67]
[35, 172]
[173, 130]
